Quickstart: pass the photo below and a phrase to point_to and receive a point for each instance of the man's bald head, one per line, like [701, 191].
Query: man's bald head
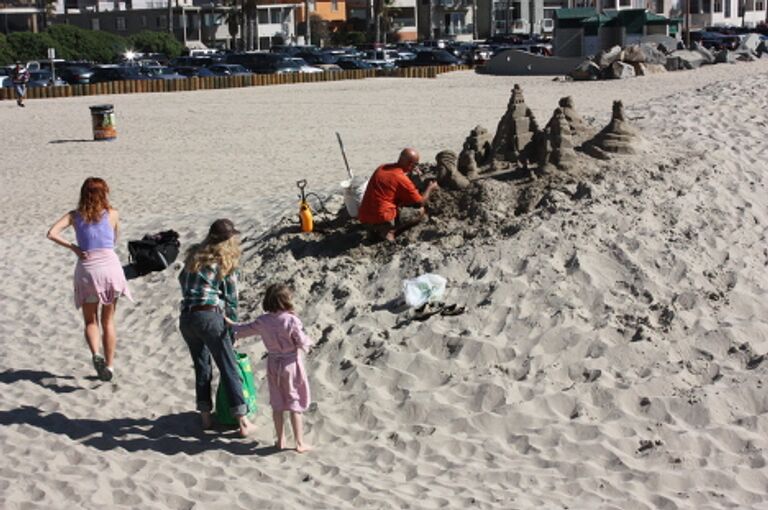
[408, 159]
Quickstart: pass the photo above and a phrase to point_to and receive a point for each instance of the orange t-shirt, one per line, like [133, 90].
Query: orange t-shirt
[388, 189]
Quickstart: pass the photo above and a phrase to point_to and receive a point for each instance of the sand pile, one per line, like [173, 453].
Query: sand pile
[611, 355]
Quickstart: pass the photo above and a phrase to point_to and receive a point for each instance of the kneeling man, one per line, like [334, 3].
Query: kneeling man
[391, 202]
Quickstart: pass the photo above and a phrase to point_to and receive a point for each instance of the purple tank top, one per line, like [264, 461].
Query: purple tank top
[94, 236]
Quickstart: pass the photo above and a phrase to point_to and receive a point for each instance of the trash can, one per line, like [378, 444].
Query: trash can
[103, 121]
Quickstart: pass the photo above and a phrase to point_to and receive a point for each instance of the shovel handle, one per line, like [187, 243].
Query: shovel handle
[344, 155]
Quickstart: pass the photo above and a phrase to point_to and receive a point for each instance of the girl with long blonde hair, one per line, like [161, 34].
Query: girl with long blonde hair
[99, 278]
[209, 292]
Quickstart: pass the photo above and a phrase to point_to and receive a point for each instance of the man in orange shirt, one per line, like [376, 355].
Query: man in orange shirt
[391, 202]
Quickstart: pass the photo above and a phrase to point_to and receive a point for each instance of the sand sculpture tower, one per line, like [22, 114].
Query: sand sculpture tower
[617, 137]
[514, 132]
[476, 151]
[563, 156]
[575, 121]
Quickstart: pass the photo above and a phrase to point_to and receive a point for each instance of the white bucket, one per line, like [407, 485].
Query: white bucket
[354, 190]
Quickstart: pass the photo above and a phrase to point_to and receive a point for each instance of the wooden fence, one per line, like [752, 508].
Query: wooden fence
[224, 82]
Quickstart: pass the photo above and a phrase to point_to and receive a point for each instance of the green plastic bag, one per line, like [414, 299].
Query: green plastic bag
[223, 413]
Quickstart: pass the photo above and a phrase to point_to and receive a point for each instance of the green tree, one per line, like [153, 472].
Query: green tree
[6, 53]
[82, 44]
[30, 46]
[148, 41]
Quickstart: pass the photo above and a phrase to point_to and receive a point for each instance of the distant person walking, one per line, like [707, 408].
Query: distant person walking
[391, 203]
[99, 277]
[209, 292]
[20, 79]
[283, 336]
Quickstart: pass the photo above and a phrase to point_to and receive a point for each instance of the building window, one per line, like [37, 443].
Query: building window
[334, 5]
[625, 3]
[276, 15]
[95, 24]
[759, 5]
[120, 24]
[263, 16]
[143, 22]
[750, 5]
[161, 23]
[718, 6]
[727, 8]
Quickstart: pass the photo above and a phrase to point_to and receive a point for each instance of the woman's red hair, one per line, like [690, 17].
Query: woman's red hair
[93, 199]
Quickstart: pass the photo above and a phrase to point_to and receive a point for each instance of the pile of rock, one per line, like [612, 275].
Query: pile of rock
[651, 58]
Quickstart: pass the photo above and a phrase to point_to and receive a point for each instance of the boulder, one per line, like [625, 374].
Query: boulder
[607, 57]
[587, 70]
[619, 71]
[750, 43]
[725, 57]
[707, 55]
[646, 69]
[663, 43]
[643, 53]
[686, 59]
[744, 56]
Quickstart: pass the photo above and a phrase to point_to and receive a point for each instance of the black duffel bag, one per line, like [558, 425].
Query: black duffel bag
[154, 252]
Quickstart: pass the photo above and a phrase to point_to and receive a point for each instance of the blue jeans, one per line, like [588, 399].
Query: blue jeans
[207, 336]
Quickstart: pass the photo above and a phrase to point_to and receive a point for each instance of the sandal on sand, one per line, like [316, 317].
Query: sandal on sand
[104, 372]
[427, 310]
[453, 309]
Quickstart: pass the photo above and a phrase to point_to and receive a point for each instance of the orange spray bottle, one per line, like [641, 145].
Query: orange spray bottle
[305, 212]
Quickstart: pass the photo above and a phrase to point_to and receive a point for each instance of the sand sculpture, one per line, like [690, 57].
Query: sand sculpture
[562, 154]
[515, 131]
[617, 137]
[448, 175]
[476, 151]
[575, 121]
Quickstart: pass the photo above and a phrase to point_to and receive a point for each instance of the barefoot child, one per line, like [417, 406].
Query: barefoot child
[283, 336]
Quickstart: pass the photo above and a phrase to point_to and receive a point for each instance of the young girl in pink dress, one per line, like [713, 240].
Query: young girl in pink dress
[283, 336]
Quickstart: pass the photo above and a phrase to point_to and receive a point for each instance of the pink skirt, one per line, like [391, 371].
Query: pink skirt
[287, 380]
[100, 277]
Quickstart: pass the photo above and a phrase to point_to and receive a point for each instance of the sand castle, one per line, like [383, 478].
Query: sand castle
[515, 131]
[617, 137]
[476, 152]
[562, 155]
[575, 122]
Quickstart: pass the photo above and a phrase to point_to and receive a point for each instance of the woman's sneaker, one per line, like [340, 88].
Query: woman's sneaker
[104, 373]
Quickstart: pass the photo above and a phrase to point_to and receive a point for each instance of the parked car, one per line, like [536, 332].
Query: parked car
[5, 77]
[431, 58]
[303, 67]
[44, 79]
[715, 40]
[190, 71]
[380, 59]
[324, 61]
[161, 73]
[347, 63]
[229, 70]
[263, 63]
[107, 73]
[194, 61]
[75, 74]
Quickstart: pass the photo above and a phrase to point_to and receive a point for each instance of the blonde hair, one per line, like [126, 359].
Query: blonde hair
[225, 255]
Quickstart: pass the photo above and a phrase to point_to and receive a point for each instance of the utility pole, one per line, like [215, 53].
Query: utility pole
[170, 16]
[308, 31]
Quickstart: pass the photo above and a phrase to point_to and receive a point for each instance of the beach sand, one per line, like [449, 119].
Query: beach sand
[609, 357]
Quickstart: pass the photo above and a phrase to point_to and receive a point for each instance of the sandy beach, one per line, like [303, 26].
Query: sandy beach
[610, 357]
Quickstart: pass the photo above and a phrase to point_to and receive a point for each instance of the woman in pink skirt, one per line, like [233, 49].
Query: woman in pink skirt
[283, 336]
[99, 277]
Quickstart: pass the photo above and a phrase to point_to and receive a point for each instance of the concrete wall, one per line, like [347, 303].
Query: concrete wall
[516, 63]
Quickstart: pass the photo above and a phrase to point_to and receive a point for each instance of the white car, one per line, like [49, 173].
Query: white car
[302, 65]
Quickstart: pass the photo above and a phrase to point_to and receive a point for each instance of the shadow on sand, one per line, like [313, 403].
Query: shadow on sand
[72, 141]
[44, 379]
[170, 435]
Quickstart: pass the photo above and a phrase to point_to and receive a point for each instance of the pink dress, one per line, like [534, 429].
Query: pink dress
[283, 336]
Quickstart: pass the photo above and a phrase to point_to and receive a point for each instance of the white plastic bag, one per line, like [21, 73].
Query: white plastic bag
[420, 290]
[354, 189]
